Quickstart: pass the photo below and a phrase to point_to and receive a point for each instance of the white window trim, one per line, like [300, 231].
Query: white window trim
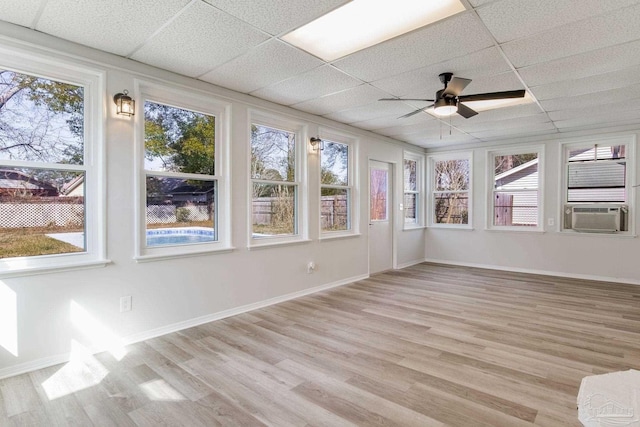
[491, 155]
[620, 139]
[420, 190]
[301, 208]
[93, 82]
[457, 155]
[201, 103]
[354, 207]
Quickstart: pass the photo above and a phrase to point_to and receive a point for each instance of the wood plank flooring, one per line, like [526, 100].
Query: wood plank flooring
[429, 345]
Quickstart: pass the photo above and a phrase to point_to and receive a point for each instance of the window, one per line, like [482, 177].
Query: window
[413, 199]
[515, 176]
[183, 211]
[51, 198]
[336, 186]
[598, 172]
[275, 182]
[450, 185]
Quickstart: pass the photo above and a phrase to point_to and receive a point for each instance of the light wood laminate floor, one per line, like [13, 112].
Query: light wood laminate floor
[428, 345]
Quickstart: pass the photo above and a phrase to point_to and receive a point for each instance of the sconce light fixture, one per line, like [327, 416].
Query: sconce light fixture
[125, 105]
[317, 143]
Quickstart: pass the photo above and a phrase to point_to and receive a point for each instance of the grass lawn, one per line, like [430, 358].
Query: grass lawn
[272, 229]
[17, 242]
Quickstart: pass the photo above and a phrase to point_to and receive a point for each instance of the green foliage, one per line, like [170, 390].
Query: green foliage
[182, 214]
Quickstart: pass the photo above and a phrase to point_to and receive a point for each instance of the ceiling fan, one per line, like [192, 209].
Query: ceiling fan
[449, 101]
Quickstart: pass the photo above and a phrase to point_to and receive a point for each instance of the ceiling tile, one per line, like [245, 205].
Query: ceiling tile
[426, 126]
[425, 81]
[597, 98]
[198, 40]
[599, 83]
[442, 137]
[263, 65]
[20, 12]
[390, 120]
[519, 122]
[613, 28]
[498, 114]
[116, 26]
[453, 37]
[583, 65]
[369, 111]
[530, 130]
[601, 119]
[318, 82]
[277, 16]
[513, 19]
[359, 95]
[632, 104]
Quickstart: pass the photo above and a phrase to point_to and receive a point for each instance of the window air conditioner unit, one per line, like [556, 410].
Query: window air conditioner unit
[601, 218]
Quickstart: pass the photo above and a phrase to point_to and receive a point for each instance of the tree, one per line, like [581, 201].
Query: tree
[452, 180]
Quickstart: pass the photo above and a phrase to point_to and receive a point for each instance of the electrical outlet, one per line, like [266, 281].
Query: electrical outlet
[311, 267]
[125, 303]
[551, 222]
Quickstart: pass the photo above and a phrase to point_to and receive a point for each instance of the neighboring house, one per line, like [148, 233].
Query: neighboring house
[74, 188]
[17, 184]
[197, 194]
[513, 206]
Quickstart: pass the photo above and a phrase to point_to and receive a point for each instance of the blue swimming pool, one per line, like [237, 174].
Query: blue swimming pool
[180, 236]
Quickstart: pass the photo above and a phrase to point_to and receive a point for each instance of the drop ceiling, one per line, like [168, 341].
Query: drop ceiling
[578, 59]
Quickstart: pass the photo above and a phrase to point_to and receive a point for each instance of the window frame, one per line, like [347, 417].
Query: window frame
[629, 140]
[419, 192]
[200, 103]
[301, 223]
[93, 82]
[330, 135]
[432, 159]
[491, 155]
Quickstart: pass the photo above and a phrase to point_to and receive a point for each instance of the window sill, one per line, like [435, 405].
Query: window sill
[626, 235]
[329, 237]
[417, 227]
[175, 255]
[451, 227]
[515, 230]
[255, 246]
[48, 269]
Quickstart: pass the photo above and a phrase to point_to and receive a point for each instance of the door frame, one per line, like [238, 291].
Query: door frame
[393, 168]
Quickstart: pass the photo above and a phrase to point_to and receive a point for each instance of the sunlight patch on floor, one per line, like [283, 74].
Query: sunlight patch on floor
[81, 372]
[161, 391]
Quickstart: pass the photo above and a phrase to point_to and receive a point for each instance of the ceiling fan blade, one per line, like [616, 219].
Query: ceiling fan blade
[406, 99]
[493, 95]
[419, 110]
[456, 86]
[465, 111]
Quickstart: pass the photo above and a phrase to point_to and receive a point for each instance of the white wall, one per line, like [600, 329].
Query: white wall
[605, 257]
[172, 293]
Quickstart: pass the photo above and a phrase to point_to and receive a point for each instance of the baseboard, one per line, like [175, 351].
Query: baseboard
[142, 336]
[409, 264]
[535, 271]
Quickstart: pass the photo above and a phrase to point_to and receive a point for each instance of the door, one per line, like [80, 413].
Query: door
[380, 217]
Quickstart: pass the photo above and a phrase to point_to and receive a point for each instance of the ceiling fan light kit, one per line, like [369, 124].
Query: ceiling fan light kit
[449, 100]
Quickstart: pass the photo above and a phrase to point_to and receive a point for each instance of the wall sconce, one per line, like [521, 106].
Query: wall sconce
[125, 105]
[317, 143]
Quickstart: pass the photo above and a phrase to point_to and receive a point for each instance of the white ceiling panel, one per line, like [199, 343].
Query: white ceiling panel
[631, 117]
[117, 26]
[263, 65]
[499, 114]
[318, 82]
[598, 98]
[513, 19]
[427, 126]
[473, 127]
[368, 112]
[430, 45]
[220, 37]
[277, 16]
[632, 104]
[391, 120]
[613, 28]
[585, 64]
[424, 81]
[359, 95]
[530, 130]
[20, 12]
[599, 83]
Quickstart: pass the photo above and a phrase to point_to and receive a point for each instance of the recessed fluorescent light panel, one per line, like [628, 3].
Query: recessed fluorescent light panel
[363, 23]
